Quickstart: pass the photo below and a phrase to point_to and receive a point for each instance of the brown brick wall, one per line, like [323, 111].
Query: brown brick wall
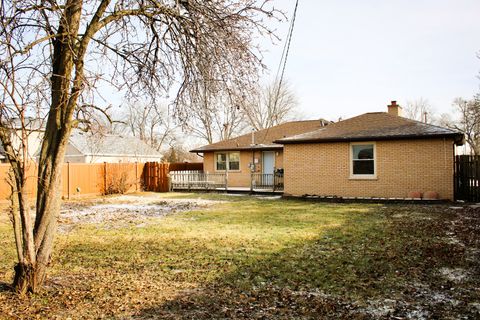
[241, 178]
[402, 166]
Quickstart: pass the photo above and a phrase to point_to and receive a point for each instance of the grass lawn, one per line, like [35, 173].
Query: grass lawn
[254, 258]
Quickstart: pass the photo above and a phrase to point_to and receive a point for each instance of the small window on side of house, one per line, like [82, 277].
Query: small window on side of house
[221, 161]
[234, 161]
[363, 160]
[227, 161]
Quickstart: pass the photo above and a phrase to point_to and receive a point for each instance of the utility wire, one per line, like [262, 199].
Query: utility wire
[283, 60]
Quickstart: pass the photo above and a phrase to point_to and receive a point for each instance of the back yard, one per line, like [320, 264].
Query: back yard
[171, 256]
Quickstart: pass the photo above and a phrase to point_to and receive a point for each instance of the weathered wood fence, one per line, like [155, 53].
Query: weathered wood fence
[80, 179]
[156, 175]
[467, 178]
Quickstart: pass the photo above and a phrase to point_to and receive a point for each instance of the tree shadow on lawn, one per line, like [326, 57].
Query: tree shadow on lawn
[363, 269]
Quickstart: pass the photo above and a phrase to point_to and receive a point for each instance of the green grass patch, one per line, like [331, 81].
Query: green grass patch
[250, 253]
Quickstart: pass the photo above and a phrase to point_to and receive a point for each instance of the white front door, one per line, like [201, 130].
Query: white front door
[268, 162]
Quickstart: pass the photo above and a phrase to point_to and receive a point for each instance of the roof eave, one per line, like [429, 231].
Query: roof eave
[458, 138]
[246, 148]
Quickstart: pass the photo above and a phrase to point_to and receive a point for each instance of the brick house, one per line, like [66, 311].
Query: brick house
[253, 152]
[379, 154]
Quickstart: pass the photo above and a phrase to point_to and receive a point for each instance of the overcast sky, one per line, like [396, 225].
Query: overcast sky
[349, 57]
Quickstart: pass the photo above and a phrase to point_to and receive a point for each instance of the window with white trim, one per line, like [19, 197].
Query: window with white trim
[227, 161]
[363, 160]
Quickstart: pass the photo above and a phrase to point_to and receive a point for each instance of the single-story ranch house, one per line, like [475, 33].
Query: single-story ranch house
[372, 155]
[253, 152]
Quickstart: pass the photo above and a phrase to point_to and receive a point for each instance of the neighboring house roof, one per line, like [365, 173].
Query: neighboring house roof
[263, 139]
[110, 145]
[374, 126]
[32, 124]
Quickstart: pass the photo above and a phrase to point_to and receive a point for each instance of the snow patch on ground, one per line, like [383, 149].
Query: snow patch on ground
[125, 209]
[455, 275]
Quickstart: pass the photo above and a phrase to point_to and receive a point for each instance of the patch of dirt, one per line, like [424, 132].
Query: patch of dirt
[125, 209]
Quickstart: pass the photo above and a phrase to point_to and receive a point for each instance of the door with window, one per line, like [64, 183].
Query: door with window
[268, 167]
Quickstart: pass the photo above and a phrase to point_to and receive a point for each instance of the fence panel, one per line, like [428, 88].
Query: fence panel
[155, 176]
[81, 178]
[467, 178]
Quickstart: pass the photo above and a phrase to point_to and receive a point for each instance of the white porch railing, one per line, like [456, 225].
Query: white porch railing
[191, 180]
[198, 180]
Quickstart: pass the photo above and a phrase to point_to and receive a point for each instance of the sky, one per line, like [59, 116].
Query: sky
[349, 57]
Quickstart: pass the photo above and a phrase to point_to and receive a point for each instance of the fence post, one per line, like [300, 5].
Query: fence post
[105, 176]
[136, 176]
[68, 180]
[226, 181]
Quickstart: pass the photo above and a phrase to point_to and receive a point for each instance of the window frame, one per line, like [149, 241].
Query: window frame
[227, 161]
[364, 176]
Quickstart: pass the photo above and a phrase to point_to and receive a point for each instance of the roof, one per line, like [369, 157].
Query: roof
[374, 126]
[33, 124]
[264, 139]
[110, 145]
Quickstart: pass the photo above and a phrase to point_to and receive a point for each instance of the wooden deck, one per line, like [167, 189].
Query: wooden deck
[204, 181]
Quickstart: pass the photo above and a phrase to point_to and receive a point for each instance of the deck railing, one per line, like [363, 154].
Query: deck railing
[272, 181]
[200, 180]
[197, 180]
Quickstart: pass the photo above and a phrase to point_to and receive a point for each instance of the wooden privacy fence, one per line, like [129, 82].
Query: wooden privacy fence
[156, 175]
[83, 179]
[467, 178]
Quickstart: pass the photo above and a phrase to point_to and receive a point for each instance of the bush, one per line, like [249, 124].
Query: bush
[118, 184]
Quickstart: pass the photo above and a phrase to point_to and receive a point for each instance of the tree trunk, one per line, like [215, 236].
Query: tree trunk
[25, 279]
[31, 273]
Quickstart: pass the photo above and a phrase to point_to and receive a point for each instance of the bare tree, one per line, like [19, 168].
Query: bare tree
[420, 110]
[150, 122]
[273, 105]
[61, 51]
[216, 116]
[467, 120]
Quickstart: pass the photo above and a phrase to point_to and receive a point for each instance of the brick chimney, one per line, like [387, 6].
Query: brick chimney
[395, 109]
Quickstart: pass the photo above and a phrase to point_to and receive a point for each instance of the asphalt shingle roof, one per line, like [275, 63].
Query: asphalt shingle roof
[111, 145]
[373, 126]
[263, 139]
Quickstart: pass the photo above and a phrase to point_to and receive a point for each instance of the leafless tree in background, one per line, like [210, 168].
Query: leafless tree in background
[216, 116]
[467, 120]
[272, 106]
[419, 110]
[150, 122]
[60, 52]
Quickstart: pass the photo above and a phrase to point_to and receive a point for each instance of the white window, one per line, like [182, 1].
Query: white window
[227, 161]
[363, 160]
